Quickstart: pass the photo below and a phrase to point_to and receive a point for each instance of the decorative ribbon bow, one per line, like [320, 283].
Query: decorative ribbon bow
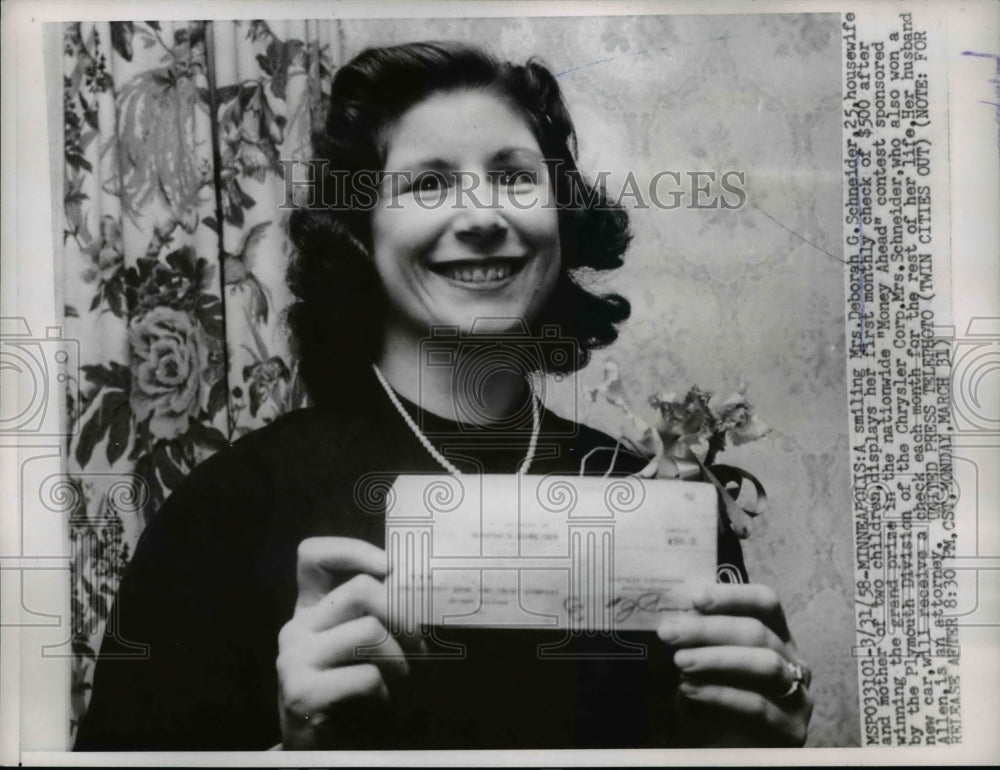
[690, 433]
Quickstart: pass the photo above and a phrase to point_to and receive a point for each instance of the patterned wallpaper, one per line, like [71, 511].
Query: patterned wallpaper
[753, 293]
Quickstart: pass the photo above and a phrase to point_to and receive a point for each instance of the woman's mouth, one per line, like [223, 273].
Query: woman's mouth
[480, 273]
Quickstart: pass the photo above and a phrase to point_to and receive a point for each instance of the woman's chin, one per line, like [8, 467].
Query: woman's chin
[499, 324]
[490, 319]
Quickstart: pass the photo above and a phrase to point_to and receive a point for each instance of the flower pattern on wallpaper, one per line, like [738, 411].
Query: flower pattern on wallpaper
[171, 189]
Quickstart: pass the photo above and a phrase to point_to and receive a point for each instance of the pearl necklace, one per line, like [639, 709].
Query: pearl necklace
[448, 466]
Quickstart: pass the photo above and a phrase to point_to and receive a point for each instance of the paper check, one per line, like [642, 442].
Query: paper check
[546, 551]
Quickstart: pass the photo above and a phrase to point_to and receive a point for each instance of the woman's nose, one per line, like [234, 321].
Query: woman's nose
[481, 225]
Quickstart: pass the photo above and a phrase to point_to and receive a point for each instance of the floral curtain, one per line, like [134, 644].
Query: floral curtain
[173, 259]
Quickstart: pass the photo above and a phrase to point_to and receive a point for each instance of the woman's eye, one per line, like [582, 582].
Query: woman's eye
[428, 183]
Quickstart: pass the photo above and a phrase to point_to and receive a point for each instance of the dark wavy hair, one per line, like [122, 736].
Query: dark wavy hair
[336, 319]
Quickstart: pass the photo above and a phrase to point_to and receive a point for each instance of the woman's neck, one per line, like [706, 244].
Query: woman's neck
[477, 389]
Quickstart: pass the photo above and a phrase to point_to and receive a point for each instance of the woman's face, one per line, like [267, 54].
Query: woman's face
[464, 231]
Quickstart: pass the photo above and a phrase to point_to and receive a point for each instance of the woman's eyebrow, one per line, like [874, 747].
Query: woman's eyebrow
[516, 153]
[428, 164]
[437, 163]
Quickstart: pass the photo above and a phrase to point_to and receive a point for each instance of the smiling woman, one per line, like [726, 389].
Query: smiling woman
[477, 172]
[264, 574]
[459, 260]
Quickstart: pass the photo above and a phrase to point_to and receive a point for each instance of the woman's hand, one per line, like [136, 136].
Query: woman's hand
[320, 666]
[739, 669]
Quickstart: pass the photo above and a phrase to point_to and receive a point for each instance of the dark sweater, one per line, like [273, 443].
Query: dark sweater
[188, 659]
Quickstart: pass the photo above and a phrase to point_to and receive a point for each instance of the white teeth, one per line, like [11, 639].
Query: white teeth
[478, 274]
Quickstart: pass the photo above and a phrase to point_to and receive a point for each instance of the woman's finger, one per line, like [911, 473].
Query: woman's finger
[323, 560]
[757, 668]
[750, 599]
[363, 640]
[306, 699]
[692, 630]
[359, 597]
[752, 707]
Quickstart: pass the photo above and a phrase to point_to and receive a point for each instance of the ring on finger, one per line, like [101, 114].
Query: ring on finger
[799, 678]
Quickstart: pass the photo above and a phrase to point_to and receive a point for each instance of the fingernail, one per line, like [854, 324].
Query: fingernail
[689, 688]
[675, 628]
[683, 659]
[702, 599]
[668, 631]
